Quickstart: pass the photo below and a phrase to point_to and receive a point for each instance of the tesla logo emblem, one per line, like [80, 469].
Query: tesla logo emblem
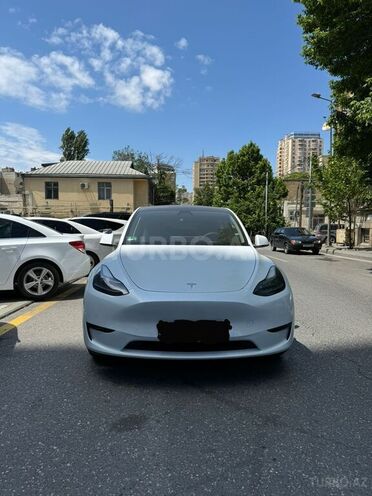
[191, 284]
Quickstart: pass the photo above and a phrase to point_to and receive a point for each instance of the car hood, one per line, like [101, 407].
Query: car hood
[189, 269]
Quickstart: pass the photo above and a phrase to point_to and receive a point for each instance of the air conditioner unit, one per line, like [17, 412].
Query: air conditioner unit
[84, 185]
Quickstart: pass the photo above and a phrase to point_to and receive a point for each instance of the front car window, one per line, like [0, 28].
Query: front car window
[184, 227]
[297, 231]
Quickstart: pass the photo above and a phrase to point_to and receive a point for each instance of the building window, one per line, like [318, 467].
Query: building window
[104, 191]
[51, 190]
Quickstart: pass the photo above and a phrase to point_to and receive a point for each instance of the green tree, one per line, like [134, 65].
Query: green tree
[81, 145]
[240, 185]
[67, 144]
[180, 199]
[337, 35]
[74, 146]
[141, 161]
[164, 193]
[344, 190]
[204, 195]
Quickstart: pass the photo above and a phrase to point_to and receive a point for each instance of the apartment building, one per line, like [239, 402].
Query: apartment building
[295, 151]
[204, 171]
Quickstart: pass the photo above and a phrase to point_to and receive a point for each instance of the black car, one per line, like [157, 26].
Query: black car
[295, 239]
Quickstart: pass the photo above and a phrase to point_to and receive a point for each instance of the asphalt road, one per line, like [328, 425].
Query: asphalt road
[297, 426]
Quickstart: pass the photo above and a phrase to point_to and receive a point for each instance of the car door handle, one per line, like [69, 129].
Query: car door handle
[8, 249]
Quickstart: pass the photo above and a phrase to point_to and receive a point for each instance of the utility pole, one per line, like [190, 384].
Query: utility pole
[329, 242]
[310, 190]
[296, 209]
[266, 199]
[301, 202]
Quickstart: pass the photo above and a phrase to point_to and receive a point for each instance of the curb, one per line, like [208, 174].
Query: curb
[8, 309]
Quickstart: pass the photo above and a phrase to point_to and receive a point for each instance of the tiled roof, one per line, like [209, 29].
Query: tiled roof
[86, 168]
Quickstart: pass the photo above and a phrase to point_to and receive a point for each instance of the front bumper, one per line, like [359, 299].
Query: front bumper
[114, 325]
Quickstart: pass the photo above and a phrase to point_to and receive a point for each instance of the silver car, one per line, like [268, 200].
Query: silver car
[187, 283]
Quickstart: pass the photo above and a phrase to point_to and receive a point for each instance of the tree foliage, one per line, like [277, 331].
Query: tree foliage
[240, 185]
[204, 195]
[180, 198]
[337, 35]
[343, 187]
[141, 161]
[74, 146]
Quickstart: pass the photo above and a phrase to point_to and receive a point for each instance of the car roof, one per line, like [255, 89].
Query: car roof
[194, 208]
[89, 230]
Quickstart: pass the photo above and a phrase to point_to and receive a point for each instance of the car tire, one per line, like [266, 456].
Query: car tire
[46, 277]
[273, 248]
[315, 251]
[333, 239]
[286, 249]
[94, 260]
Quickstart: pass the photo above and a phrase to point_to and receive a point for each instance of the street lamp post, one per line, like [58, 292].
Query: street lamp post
[320, 97]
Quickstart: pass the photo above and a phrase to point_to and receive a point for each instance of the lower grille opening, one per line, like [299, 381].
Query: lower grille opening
[189, 347]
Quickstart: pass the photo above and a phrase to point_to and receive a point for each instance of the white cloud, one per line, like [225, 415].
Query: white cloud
[41, 82]
[204, 61]
[182, 44]
[128, 72]
[13, 10]
[23, 147]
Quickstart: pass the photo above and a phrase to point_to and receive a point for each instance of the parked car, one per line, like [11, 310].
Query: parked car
[186, 282]
[111, 215]
[294, 239]
[101, 224]
[36, 260]
[321, 232]
[95, 251]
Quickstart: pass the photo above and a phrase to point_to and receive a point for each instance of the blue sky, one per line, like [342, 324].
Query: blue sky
[163, 76]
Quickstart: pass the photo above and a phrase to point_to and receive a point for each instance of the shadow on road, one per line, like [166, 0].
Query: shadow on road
[8, 338]
[211, 372]
[13, 296]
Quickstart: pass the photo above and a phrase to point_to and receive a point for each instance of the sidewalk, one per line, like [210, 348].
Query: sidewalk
[364, 254]
[8, 307]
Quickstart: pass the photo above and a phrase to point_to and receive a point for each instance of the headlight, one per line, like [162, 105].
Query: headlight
[273, 283]
[105, 282]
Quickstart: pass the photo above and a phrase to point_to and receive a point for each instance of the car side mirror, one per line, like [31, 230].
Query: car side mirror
[260, 241]
[107, 231]
[107, 239]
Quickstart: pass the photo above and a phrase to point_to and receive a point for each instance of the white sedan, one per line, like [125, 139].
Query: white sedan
[187, 283]
[36, 260]
[95, 251]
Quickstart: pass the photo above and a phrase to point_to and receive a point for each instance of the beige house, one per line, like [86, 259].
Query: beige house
[79, 187]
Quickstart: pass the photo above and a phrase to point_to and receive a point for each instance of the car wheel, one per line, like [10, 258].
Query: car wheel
[38, 281]
[333, 239]
[315, 251]
[94, 260]
[273, 248]
[286, 248]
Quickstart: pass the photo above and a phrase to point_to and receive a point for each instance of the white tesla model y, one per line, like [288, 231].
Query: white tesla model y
[187, 283]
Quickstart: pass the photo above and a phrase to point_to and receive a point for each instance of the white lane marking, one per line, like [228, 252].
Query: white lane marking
[348, 258]
[276, 258]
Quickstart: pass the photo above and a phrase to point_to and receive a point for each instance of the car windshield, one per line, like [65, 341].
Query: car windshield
[184, 227]
[297, 231]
